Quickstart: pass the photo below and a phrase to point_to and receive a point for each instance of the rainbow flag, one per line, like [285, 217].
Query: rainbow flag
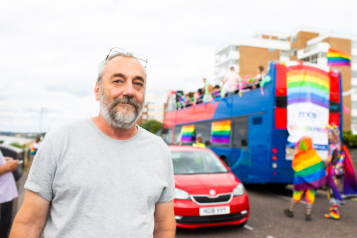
[309, 168]
[308, 84]
[221, 132]
[188, 133]
[338, 58]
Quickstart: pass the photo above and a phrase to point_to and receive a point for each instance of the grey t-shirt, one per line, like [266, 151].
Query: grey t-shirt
[98, 186]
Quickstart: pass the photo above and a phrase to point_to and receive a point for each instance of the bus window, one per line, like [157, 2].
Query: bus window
[240, 131]
[177, 134]
[204, 129]
[168, 136]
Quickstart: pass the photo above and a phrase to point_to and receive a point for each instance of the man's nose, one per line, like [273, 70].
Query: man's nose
[129, 89]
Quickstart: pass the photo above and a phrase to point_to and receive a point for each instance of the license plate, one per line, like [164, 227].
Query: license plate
[209, 211]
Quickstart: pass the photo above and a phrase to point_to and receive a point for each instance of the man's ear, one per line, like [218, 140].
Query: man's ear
[96, 91]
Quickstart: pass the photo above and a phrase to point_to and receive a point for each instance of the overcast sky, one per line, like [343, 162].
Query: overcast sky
[50, 51]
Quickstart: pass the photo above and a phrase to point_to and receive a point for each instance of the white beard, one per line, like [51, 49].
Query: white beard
[124, 119]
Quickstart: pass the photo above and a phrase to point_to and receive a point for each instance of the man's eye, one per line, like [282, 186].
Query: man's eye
[118, 81]
[138, 84]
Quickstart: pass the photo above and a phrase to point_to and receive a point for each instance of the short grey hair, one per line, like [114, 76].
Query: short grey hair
[103, 64]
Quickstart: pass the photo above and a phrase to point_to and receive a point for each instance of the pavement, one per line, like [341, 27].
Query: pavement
[267, 218]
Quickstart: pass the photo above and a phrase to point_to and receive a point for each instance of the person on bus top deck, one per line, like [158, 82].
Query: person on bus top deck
[305, 163]
[260, 74]
[210, 87]
[230, 82]
[199, 142]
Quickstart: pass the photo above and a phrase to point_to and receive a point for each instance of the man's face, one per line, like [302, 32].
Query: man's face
[121, 92]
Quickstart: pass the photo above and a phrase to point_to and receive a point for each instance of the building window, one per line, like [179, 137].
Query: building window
[354, 105]
[282, 39]
[322, 55]
[235, 62]
[354, 120]
[293, 51]
[271, 50]
[293, 38]
[354, 74]
[234, 48]
[354, 58]
[284, 53]
[354, 44]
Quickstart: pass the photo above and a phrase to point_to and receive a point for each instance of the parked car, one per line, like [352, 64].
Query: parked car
[207, 192]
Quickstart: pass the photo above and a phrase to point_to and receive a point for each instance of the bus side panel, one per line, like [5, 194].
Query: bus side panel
[247, 104]
[224, 108]
[258, 140]
[284, 171]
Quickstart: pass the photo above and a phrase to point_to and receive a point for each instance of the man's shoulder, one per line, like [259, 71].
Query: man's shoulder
[148, 136]
[69, 128]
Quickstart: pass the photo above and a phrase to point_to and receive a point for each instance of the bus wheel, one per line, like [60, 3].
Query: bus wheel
[224, 160]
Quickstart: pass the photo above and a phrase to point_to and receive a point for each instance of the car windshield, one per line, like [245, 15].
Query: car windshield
[196, 162]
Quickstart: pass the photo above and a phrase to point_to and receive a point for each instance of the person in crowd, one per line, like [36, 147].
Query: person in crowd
[8, 192]
[260, 75]
[339, 165]
[306, 162]
[35, 145]
[208, 86]
[198, 142]
[230, 82]
[335, 161]
[102, 176]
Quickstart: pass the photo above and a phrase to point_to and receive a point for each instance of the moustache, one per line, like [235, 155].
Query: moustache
[125, 100]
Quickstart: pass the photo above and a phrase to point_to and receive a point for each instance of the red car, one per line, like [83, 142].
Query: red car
[207, 192]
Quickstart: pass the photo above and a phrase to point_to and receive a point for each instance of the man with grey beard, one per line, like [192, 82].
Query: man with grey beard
[102, 176]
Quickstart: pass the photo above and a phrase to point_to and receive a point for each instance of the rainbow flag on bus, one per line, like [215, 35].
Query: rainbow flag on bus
[221, 131]
[338, 58]
[308, 103]
[188, 133]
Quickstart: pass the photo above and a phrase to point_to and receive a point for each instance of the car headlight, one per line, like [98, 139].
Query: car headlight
[180, 194]
[239, 190]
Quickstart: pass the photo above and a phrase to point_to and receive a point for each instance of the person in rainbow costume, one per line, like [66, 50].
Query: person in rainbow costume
[309, 173]
[339, 165]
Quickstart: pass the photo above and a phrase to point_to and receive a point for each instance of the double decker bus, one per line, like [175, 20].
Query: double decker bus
[256, 149]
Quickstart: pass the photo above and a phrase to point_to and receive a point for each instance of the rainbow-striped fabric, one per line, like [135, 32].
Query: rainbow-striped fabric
[309, 168]
[221, 132]
[338, 58]
[188, 133]
[33, 151]
[308, 84]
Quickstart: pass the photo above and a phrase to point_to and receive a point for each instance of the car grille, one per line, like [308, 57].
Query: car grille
[203, 199]
[211, 219]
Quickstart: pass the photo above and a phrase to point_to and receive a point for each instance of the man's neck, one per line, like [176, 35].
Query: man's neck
[115, 133]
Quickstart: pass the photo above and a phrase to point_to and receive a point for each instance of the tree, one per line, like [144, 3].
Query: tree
[152, 125]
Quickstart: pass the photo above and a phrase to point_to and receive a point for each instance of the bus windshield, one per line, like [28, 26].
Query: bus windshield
[196, 162]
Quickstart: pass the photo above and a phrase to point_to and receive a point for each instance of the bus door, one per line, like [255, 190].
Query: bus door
[258, 140]
[281, 171]
[238, 160]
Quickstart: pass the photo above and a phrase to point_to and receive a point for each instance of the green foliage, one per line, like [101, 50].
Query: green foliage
[153, 126]
[349, 139]
[18, 145]
[1, 142]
